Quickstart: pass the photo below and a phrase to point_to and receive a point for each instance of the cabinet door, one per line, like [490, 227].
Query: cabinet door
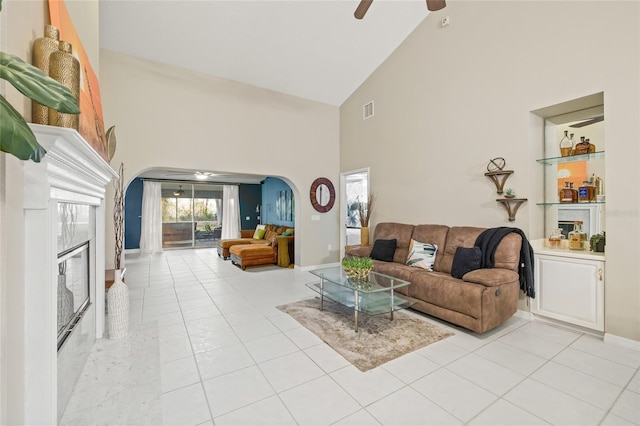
[570, 290]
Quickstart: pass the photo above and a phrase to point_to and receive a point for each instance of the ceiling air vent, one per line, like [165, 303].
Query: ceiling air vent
[367, 110]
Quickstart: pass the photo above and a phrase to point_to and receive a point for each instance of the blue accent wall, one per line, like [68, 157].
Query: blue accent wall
[250, 197]
[132, 214]
[271, 188]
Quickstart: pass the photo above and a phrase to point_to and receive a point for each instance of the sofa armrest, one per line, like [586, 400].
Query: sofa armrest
[359, 251]
[491, 276]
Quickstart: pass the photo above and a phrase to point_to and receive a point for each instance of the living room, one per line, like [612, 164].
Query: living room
[446, 101]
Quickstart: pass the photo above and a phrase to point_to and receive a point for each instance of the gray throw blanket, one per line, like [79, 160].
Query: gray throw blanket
[488, 241]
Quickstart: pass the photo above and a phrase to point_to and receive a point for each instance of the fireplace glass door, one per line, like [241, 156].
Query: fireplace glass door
[73, 273]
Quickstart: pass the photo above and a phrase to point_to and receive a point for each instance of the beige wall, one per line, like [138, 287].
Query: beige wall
[449, 99]
[168, 117]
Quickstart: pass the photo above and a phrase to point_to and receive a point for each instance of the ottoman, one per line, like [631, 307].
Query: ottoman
[225, 245]
[244, 255]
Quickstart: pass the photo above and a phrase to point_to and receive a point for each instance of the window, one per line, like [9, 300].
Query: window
[190, 214]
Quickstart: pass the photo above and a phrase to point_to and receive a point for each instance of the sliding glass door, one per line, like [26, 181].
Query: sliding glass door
[190, 214]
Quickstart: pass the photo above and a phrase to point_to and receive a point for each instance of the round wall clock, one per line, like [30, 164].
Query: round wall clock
[322, 194]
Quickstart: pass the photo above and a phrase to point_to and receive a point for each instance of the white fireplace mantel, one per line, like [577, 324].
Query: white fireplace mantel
[71, 171]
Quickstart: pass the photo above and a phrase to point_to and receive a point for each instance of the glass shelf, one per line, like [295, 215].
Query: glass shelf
[557, 203]
[572, 158]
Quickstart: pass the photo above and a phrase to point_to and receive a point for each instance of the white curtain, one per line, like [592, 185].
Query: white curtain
[218, 202]
[151, 234]
[231, 210]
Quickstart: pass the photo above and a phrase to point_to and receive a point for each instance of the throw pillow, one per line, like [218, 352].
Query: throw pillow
[261, 227]
[288, 232]
[466, 260]
[384, 250]
[422, 255]
[259, 234]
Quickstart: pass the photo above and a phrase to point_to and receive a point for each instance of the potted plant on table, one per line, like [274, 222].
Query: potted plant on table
[357, 268]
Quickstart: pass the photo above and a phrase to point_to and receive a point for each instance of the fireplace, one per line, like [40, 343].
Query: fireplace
[64, 210]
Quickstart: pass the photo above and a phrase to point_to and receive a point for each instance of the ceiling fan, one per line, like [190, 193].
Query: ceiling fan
[593, 120]
[432, 6]
[178, 192]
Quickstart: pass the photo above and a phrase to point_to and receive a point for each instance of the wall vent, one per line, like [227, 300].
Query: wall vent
[367, 110]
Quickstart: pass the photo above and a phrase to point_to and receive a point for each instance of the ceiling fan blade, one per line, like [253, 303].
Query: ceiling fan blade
[434, 5]
[362, 8]
[588, 122]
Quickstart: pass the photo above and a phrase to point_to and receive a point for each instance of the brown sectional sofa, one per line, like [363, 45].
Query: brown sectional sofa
[480, 301]
[273, 248]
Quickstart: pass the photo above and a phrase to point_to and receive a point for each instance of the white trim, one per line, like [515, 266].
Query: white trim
[132, 251]
[343, 203]
[71, 171]
[324, 265]
[526, 315]
[622, 341]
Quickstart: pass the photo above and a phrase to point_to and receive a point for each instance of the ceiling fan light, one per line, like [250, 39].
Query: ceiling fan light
[178, 192]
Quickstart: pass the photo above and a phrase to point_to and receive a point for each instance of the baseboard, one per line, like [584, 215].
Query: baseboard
[324, 265]
[622, 341]
[132, 251]
[524, 315]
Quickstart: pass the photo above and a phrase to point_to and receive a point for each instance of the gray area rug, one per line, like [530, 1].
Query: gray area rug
[378, 340]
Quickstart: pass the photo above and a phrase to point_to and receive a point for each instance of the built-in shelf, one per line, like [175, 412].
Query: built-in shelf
[511, 205]
[557, 203]
[571, 158]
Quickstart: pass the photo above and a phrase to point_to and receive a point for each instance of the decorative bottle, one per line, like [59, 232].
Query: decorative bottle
[573, 144]
[65, 69]
[577, 237]
[565, 144]
[43, 47]
[582, 147]
[566, 194]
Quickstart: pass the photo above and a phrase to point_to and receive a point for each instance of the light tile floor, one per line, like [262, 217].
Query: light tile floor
[207, 346]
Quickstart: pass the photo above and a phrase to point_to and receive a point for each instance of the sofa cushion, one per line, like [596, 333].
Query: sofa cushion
[270, 235]
[434, 234]
[259, 234]
[384, 250]
[458, 236]
[401, 232]
[396, 270]
[422, 255]
[465, 260]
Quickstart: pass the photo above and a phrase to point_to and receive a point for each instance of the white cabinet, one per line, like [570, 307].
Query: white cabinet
[570, 288]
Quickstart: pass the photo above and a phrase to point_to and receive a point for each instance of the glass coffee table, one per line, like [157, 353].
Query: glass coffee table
[374, 296]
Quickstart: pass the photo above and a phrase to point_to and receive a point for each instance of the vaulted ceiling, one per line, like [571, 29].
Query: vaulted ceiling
[313, 49]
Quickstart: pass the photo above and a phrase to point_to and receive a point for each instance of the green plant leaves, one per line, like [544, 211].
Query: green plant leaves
[15, 135]
[35, 84]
